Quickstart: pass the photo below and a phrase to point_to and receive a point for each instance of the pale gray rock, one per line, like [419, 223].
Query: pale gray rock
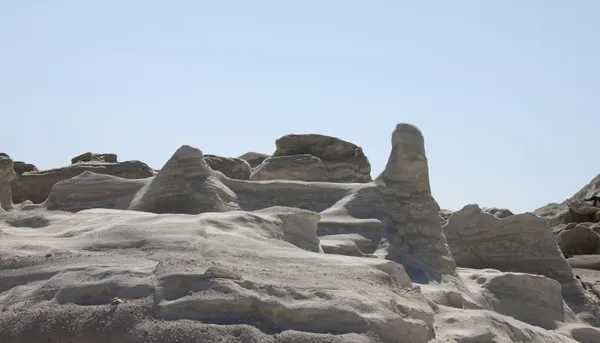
[532, 299]
[351, 240]
[205, 278]
[519, 243]
[334, 160]
[295, 167]
[36, 185]
[499, 213]
[21, 167]
[7, 174]
[585, 262]
[580, 239]
[185, 184]
[235, 168]
[417, 240]
[340, 246]
[253, 158]
[92, 157]
[582, 208]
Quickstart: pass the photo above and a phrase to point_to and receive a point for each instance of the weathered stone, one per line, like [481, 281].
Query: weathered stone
[254, 158]
[417, 241]
[22, 167]
[36, 185]
[519, 243]
[583, 208]
[341, 160]
[91, 157]
[294, 167]
[581, 239]
[185, 184]
[7, 174]
[499, 213]
[235, 168]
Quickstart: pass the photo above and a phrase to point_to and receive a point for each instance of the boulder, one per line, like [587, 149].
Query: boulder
[499, 213]
[520, 243]
[22, 167]
[582, 208]
[254, 158]
[7, 174]
[36, 185]
[91, 157]
[296, 167]
[532, 299]
[585, 262]
[185, 184]
[343, 161]
[416, 236]
[235, 168]
[579, 239]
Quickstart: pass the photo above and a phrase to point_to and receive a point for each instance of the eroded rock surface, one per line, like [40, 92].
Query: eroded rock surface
[312, 157]
[417, 240]
[191, 254]
[91, 157]
[36, 185]
[235, 168]
[253, 158]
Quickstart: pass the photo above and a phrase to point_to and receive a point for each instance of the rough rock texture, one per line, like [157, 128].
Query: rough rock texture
[36, 185]
[7, 174]
[253, 158]
[334, 160]
[22, 167]
[295, 167]
[520, 243]
[585, 262]
[185, 184]
[499, 213]
[579, 239]
[191, 255]
[533, 299]
[91, 157]
[208, 277]
[417, 240]
[235, 168]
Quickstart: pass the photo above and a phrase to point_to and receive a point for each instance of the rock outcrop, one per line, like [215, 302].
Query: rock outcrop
[519, 243]
[235, 168]
[36, 185]
[326, 158]
[91, 157]
[295, 167]
[499, 213]
[185, 184]
[190, 253]
[416, 238]
[7, 174]
[21, 167]
[579, 239]
[253, 158]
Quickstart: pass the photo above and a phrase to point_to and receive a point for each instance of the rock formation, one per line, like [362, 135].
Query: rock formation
[253, 158]
[499, 213]
[36, 185]
[235, 168]
[192, 254]
[91, 157]
[7, 174]
[519, 243]
[314, 158]
[417, 240]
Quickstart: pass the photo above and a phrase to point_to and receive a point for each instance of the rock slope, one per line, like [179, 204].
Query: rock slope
[192, 255]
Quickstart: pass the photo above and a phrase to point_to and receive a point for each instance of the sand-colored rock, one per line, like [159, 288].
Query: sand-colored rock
[7, 174]
[92, 157]
[253, 158]
[579, 239]
[519, 243]
[235, 168]
[417, 240]
[312, 157]
[499, 213]
[36, 185]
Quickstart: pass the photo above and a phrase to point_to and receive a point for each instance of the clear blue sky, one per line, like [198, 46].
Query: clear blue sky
[506, 92]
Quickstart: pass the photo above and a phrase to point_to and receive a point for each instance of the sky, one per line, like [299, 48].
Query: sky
[506, 92]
